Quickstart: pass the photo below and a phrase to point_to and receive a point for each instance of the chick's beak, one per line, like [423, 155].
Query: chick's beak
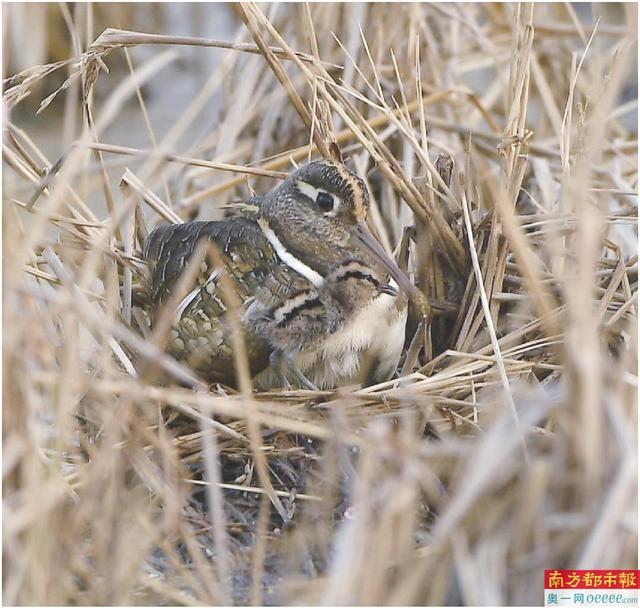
[366, 241]
[390, 290]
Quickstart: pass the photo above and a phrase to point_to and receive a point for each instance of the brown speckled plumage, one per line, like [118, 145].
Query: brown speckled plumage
[300, 274]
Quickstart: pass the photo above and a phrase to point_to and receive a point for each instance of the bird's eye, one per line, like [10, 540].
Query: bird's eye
[325, 201]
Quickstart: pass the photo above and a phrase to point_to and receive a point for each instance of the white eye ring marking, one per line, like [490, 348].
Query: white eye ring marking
[312, 192]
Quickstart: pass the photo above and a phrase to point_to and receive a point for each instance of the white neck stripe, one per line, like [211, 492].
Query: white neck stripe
[290, 260]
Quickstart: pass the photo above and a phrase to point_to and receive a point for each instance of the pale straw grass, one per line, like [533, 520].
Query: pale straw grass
[500, 149]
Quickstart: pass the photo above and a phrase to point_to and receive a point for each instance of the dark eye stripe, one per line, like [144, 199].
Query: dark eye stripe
[363, 276]
[294, 312]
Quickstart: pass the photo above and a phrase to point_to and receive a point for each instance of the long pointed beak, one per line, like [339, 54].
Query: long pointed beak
[366, 241]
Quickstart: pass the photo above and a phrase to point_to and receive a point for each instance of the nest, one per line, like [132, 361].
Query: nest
[499, 146]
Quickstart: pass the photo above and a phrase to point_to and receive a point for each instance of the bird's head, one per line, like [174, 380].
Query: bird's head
[321, 208]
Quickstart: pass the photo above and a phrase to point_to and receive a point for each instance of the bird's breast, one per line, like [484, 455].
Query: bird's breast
[377, 331]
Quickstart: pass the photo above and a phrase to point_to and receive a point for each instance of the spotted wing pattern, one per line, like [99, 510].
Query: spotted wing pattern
[200, 334]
